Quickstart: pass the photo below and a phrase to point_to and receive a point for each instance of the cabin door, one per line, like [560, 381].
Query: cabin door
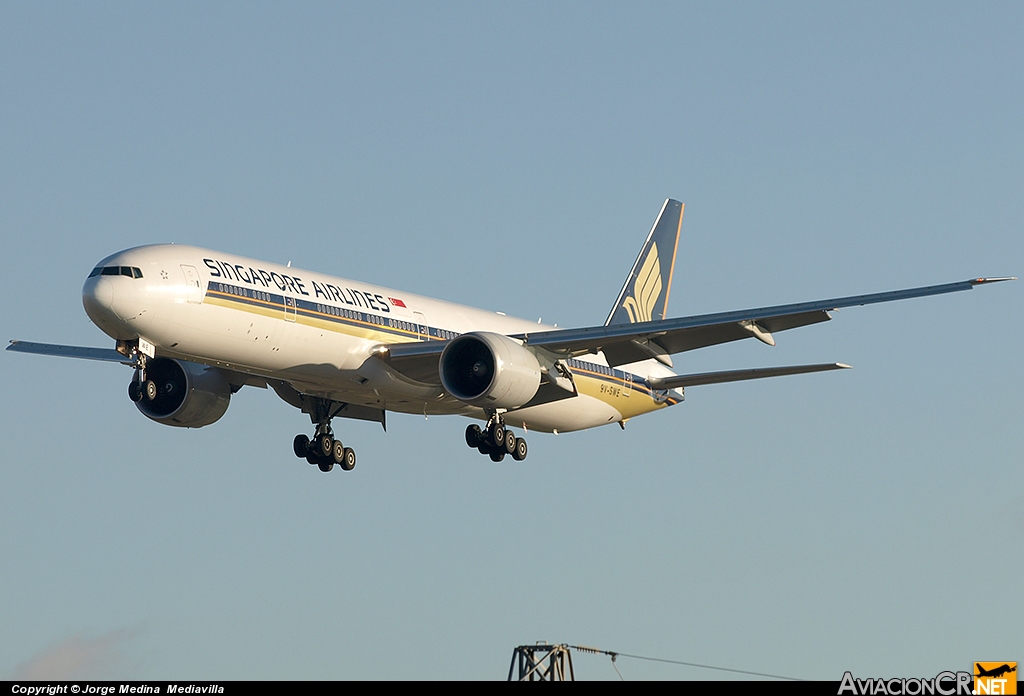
[195, 289]
[421, 326]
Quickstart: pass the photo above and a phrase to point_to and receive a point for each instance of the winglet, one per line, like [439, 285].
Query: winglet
[982, 281]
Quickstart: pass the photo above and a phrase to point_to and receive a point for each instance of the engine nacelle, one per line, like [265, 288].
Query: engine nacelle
[189, 395]
[489, 370]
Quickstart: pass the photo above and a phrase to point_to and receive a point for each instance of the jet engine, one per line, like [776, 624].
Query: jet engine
[489, 370]
[188, 395]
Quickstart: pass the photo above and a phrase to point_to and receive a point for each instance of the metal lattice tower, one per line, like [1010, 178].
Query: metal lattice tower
[542, 662]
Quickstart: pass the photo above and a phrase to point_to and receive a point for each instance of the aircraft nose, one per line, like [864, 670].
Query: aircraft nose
[101, 295]
[98, 300]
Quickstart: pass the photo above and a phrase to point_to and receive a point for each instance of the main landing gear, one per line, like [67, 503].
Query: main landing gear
[324, 449]
[495, 440]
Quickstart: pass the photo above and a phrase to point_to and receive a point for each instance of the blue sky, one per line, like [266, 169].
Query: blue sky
[513, 158]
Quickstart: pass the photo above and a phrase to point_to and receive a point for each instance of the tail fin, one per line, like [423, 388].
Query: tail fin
[644, 296]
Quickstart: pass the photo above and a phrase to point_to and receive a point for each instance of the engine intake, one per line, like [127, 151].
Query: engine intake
[489, 370]
[188, 395]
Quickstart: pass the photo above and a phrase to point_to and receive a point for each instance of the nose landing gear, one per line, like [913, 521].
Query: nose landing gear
[495, 440]
[141, 388]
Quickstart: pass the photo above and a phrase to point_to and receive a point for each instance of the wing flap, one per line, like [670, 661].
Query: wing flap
[701, 336]
[635, 350]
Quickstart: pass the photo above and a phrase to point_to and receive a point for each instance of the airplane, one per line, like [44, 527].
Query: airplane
[197, 325]
[996, 671]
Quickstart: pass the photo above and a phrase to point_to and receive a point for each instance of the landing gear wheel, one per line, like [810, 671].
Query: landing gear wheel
[338, 452]
[473, 433]
[497, 436]
[150, 390]
[324, 445]
[520, 451]
[135, 391]
[510, 442]
[300, 445]
[348, 461]
[483, 448]
[325, 466]
[497, 456]
[312, 458]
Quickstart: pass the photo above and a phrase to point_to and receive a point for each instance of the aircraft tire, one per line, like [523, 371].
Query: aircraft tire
[510, 442]
[520, 452]
[348, 462]
[325, 466]
[473, 435]
[150, 390]
[300, 445]
[497, 436]
[135, 391]
[312, 458]
[338, 452]
[497, 456]
[324, 445]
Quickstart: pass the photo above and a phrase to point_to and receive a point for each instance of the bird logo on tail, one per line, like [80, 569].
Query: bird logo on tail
[646, 289]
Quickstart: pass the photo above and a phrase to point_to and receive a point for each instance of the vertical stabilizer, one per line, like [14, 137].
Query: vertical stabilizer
[644, 296]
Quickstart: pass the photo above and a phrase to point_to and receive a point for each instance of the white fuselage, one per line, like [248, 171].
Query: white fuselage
[318, 333]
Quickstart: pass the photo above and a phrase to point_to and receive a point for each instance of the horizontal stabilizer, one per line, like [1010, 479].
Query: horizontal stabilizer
[739, 375]
[104, 354]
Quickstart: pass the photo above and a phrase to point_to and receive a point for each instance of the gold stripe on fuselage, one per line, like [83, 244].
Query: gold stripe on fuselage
[628, 398]
[261, 307]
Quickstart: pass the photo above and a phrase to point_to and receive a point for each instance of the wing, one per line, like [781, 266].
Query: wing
[626, 343]
[235, 378]
[104, 354]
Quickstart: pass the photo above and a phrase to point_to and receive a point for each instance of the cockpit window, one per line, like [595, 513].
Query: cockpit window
[128, 271]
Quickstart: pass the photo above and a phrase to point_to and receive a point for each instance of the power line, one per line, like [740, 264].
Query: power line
[613, 655]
